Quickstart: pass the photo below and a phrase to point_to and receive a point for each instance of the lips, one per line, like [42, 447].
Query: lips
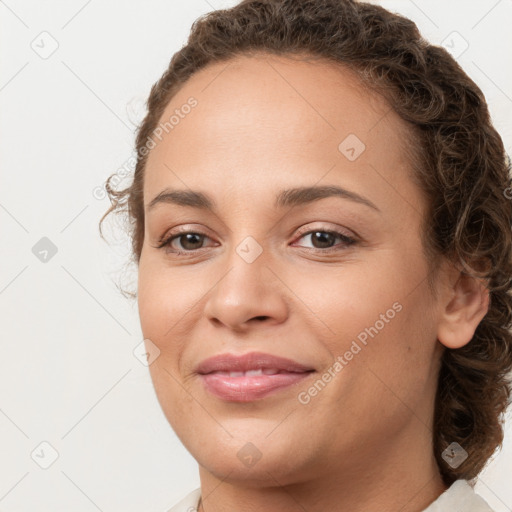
[250, 376]
[248, 362]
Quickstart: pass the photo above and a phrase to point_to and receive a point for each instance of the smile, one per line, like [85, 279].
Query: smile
[250, 385]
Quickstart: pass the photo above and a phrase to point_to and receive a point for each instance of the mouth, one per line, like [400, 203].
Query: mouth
[250, 376]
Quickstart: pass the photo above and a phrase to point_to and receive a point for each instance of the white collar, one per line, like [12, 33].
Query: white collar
[459, 496]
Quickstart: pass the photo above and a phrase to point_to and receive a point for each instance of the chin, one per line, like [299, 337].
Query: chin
[262, 461]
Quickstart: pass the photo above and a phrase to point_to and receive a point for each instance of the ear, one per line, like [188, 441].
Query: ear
[466, 304]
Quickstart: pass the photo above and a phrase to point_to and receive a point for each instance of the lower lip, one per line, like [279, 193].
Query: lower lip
[249, 388]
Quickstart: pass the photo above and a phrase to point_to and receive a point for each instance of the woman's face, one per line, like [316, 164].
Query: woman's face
[336, 282]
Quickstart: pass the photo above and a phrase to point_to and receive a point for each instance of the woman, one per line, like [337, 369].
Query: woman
[323, 242]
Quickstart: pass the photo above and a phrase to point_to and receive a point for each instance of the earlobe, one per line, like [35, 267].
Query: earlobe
[464, 310]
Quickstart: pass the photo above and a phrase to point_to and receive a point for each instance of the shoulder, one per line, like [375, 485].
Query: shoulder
[459, 496]
[189, 503]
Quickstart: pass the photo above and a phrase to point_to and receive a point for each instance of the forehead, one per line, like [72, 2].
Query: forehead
[265, 119]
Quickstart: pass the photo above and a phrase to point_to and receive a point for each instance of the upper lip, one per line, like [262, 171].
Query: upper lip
[251, 361]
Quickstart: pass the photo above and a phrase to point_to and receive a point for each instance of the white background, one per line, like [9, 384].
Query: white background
[68, 375]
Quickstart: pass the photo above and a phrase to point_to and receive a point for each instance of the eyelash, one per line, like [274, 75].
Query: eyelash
[347, 240]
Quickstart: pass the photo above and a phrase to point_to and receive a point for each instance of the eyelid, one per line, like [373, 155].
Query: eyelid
[175, 232]
[338, 229]
[184, 229]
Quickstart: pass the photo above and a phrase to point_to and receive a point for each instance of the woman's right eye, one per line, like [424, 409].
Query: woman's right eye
[187, 239]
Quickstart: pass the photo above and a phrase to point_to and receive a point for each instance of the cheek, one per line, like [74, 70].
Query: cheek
[343, 301]
[378, 319]
[161, 306]
[169, 303]
[164, 298]
[152, 302]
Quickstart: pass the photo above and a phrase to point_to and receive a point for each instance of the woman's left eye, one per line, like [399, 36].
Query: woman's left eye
[322, 237]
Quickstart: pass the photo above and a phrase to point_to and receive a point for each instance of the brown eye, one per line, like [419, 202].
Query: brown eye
[190, 241]
[182, 243]
[324, 240]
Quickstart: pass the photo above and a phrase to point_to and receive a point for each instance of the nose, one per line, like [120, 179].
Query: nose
[247, 295]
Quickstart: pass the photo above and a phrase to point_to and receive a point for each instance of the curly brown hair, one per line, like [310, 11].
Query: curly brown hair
[458, 160]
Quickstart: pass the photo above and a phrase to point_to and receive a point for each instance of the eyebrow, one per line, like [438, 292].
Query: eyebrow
[285, 198]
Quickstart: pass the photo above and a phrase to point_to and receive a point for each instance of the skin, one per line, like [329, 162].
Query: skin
[364, 442]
